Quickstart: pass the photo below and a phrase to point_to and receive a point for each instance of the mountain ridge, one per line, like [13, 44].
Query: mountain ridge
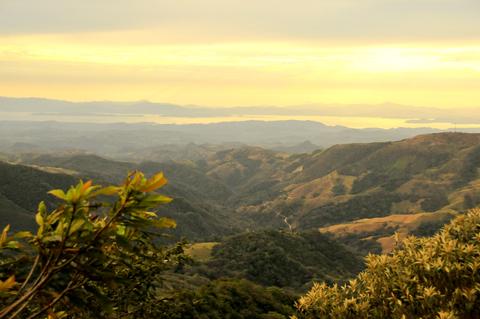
[253, 188]
[413, 114]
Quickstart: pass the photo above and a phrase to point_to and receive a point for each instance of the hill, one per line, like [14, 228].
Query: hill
[246, 188]
[436, 173]
[195, 195]
[282, 259]
[259, 218]
[362, 232]
[227, 299]
[430, 173]
[162, 142]
[22, 188]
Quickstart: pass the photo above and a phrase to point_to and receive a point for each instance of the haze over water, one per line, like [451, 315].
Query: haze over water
[224, 53]
[353, 122]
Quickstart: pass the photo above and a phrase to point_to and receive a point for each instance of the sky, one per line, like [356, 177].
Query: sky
[223, 53]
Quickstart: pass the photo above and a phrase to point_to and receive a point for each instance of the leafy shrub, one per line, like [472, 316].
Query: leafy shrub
[434, 277]
[87, 254]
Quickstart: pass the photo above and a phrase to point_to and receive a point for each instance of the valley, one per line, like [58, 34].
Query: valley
[254, 216]
[425, 178]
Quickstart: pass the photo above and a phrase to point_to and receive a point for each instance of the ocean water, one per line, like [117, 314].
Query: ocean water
[353, 122]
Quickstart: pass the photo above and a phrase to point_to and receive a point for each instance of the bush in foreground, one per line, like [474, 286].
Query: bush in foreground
[94, 255]
[434, 277]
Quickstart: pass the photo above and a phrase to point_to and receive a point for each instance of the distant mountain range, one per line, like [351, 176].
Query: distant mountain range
[163, 142]
[412, 114]
[130, 140]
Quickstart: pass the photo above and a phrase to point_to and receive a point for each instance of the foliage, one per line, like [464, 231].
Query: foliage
[429, 228]
[373, 204]
[282, 259]
[434, 202]
[469, 169]
[339, 189]
[85, 252]
[358, 243]
[223, 299]
[435, 277]
[470, 201]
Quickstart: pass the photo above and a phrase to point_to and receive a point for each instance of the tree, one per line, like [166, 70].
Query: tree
[435, 277]
[86, 251]
[228, 298]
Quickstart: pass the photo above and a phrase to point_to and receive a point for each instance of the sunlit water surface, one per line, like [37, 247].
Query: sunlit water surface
[354, 122]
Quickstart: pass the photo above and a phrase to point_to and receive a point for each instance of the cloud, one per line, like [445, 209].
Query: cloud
[232, 52]
[391, 20]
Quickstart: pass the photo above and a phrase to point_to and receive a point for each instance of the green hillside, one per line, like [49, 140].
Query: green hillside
[277, 258]
[228, 299]
[251, 188]
[14, 215]
[22, 188]
[195, 207]
[264, 225]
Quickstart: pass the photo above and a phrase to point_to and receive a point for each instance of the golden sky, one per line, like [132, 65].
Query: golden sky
[237, 53]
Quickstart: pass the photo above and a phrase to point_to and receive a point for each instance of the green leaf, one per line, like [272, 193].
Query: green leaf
[121, 230]
[52, 238]
[165, 222]
[58, 193]
[42, 208]
[42, 211]
[73, 195]
[60, 227]
[154, 183]
[3, 237]
[76, 225]
[90, 191]
[23, 234]
[39, 219]
[13, 244]
[54, 217]
[107, 191]
[148, 214]
[155, 199]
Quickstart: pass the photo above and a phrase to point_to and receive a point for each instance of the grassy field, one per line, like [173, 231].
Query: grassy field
[200, 251]
[382, 229]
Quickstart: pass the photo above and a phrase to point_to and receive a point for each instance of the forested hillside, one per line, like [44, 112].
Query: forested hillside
[22, 188]
[252, 188]
[282, 259]
[257, 218]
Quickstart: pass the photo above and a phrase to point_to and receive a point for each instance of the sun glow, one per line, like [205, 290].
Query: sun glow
[240, 73]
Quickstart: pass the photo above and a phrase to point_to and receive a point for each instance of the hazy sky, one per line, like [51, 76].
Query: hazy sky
[243, 52]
